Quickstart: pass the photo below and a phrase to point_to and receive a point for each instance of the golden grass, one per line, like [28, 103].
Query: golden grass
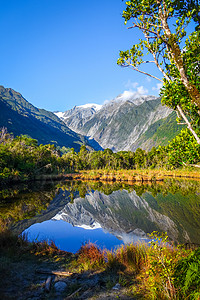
[140, 175]
[146, 270]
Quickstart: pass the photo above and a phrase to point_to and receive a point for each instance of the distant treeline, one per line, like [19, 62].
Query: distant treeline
[22, 157]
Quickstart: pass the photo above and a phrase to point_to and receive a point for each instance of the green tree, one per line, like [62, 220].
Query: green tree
[163, 40]
[139, 158]
[183, 6]
[83, 158]
[183, 150]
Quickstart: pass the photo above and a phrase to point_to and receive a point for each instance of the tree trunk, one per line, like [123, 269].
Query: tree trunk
[188, 124]
[177, 58]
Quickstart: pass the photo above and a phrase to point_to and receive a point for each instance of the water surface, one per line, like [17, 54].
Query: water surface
[72, 213]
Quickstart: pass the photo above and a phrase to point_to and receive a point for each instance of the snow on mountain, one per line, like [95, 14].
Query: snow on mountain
[59, 114]
[120, 123]
[84, 112]
[96, 107]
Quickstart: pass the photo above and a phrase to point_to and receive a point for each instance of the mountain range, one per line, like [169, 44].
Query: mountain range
[124, 123]
[21, 117]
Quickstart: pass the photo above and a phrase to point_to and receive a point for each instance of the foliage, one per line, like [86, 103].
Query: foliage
[90, 257]
[183, 149]
[154, 268]
[160, 268]
[22, 158]
[183, 6]
[186, 275]
[171, 49]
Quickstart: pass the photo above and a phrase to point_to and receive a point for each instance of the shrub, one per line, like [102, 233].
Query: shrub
[132, 256]
[90, 257]
[161, 261]
[187, 276]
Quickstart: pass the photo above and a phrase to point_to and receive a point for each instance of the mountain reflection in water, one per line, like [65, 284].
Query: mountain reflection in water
[111, 214]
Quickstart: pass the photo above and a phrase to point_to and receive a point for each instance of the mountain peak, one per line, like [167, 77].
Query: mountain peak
[95, 106]
[134, 97]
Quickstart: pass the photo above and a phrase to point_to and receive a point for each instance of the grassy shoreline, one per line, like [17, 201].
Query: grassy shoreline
[136, 175]
[139, 271]
[140, 175]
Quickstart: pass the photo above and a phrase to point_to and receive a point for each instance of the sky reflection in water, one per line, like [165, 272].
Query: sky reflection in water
[70, 238]
[109, 216]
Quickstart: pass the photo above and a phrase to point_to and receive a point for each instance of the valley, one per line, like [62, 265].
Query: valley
[124, 123]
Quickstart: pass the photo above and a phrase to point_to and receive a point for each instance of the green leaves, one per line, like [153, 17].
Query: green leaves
[163, 37]
[186, 274]
[183, 148]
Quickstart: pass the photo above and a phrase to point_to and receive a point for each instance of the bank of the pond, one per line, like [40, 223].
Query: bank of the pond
[42, 271]
[140, 175]
[130, 176]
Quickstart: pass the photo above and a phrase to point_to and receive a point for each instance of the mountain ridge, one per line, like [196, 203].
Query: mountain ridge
[20, 117]
[124, 123]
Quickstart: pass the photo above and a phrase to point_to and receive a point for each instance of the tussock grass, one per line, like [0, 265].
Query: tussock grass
[148, 271]
[90, 257]
[138, 175]
[132, 257]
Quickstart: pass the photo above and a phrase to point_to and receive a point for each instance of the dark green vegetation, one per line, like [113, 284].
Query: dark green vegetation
[159, 133]
[22, 157]
[21, 117]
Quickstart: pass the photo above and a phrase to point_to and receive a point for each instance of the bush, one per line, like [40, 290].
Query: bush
[90, 257]
[187, 276]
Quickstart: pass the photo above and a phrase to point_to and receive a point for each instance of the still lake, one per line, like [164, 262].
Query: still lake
[72, 213]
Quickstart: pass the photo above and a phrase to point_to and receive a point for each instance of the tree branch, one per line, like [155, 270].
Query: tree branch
[188, 124]
[136, 69]
[155, 59]
[191, 165]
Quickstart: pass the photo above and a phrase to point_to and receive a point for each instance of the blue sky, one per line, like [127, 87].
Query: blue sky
[61, 53]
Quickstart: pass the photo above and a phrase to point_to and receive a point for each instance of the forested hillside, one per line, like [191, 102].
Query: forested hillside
[21, 117]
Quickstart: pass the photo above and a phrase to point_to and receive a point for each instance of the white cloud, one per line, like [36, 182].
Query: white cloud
[148, 79]
[134, 89]
[157, 87]
[130, 94]
[127, 95]
[131, 85]
[142, 90]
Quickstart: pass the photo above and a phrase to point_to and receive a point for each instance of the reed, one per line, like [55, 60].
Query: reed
[140, 175]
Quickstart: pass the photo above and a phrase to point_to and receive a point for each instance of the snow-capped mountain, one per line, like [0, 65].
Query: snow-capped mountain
[82, 112]
[127, 122]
